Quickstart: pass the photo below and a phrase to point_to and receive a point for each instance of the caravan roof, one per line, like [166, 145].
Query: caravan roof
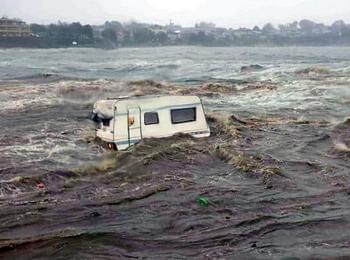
[105, 108]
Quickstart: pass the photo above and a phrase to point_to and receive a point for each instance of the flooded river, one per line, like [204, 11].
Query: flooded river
[275, 171]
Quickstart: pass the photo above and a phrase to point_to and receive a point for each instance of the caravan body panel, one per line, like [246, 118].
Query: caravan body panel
[150, 117]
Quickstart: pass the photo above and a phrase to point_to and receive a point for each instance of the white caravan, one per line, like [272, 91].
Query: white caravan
[123, 122]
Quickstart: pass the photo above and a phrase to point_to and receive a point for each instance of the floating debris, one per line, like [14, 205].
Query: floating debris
[40, 185]
[313, 71]
[202, 201]
[251, 68]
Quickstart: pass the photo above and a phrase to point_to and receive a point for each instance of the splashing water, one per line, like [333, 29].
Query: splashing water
[274, 171]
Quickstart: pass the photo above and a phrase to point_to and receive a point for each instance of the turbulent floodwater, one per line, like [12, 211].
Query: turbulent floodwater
[276, 170]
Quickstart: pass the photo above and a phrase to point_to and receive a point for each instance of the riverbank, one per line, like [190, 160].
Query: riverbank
[42, 43]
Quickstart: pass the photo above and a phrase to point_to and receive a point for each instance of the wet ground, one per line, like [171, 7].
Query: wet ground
[275, 170]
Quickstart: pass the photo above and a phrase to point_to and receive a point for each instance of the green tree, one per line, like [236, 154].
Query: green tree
[38, 29]
[75, 30]
[162, 37]
[307, 26]
[115, 25]
[109, 34]
[143, 35]
[87, 32]
[268, 28]
[339, 27]
[256, 29]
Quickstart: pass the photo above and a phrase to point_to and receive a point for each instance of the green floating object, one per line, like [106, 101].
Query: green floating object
[202, 201]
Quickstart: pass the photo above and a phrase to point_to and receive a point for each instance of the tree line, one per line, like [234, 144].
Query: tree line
[114, 34]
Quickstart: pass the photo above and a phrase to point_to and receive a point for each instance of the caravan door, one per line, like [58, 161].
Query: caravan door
[134, 125]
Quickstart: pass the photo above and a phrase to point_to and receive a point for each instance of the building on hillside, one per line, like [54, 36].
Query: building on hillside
[245, 32]
[172, 27]
[14, 28]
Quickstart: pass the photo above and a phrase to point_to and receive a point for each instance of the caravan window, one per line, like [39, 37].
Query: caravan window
[151, 118]
[105, 122]
[183, 115]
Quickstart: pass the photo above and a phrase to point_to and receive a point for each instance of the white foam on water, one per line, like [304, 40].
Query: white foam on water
[21, 97]
[341, 147]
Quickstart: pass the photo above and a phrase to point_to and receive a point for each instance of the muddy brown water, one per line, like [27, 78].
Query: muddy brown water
[275, 171]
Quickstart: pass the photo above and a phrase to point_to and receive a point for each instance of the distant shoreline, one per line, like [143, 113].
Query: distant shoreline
[113, 34]
[30, 45]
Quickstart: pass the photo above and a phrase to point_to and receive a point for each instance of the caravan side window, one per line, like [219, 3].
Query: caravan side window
[151, 118]
[105, 122]
[183, 115]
